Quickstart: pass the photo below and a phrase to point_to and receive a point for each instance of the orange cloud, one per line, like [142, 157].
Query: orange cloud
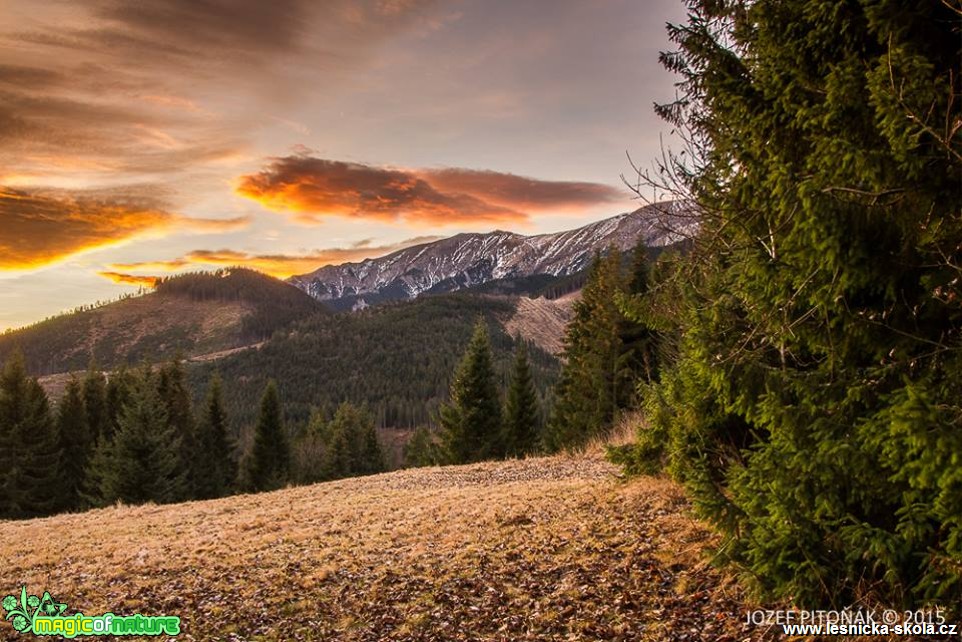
[38, 228]
[214, 225]
[522, 192]
[314, 188]
[131, 279]
[277, 265]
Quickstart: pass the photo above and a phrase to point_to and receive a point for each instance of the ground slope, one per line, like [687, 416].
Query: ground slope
[542, 321]
[542, 549]
[191, 314]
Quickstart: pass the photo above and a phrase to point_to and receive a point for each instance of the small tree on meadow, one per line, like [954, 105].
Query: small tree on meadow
[268, 464]
[471, 420]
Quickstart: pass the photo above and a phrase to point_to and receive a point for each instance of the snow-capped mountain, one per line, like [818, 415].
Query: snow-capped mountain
[467, 260]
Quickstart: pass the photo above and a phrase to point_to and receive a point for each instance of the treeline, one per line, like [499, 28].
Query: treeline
[606, 353]
[397, 360]
[136, 437]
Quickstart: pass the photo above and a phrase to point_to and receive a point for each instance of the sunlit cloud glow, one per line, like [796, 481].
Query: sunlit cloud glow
[42, 227]
[131, 279]
[312, 189]
[277, 265]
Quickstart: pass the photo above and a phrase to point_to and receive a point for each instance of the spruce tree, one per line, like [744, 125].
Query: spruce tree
[142, 463]
[118, 392]
[41, 485]
[33, 481]
[638, 358]
[422, 449]
[11, 395]
[339, 459]
[173, 390]
[813, 410]
[372, 455]
[310, 450]
[522, 415]
[215, 447]
[76, 440]
[267, 466]
[95, 402]
[353, 446]
[591, 389]
[471, 420]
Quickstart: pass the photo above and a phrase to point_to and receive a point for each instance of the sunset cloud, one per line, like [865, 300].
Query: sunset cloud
[38, 227]
[131, 279]
[521, 192]
[313, 189]
[277, 265]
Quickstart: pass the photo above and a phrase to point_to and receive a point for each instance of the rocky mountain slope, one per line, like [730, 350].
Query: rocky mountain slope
[468, 260]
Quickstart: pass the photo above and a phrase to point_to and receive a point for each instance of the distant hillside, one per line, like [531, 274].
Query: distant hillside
[397, 359]
[192, 314]
[473, 260]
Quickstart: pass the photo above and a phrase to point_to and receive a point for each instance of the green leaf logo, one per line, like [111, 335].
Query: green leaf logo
[22, 612]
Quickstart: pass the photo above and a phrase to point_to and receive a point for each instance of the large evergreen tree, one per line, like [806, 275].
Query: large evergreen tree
[75, 438]
[215, 448]
[522, 414]
[94, 392]
[814, 410]
[142, 462]
[471, 420]
[592, 387]
[118, 392]
[174, 392]
[267, 466]
[32, 480]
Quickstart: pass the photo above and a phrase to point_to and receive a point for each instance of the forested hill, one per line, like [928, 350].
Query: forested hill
[189, 314]
[397, 359]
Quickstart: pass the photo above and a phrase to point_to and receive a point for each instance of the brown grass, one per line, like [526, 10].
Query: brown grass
[536, 549]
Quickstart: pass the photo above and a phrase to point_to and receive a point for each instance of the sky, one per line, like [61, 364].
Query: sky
[143, 139]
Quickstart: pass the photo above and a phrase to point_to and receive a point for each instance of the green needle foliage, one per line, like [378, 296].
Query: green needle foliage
[216, 449]
[32, 480]
[522, 413]
[592, 388]
[423, 449]
[95, 403]
[814, 406]
[142, 463]
[471, 420]
[268, 464]
[173, 390]
[75, 439]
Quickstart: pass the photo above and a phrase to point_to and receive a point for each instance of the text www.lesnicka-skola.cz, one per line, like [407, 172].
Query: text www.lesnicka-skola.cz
[855, 622]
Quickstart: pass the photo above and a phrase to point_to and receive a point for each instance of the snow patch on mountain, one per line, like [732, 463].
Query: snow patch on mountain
[470, 259]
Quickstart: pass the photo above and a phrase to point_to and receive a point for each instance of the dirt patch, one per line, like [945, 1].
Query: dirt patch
[542, 321]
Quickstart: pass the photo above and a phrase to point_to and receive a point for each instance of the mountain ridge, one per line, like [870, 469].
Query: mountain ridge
[470, 259]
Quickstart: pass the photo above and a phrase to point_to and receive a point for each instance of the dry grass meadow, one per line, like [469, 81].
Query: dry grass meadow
[539, 549]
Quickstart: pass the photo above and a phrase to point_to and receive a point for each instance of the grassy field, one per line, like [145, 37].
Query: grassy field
[541, 549]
